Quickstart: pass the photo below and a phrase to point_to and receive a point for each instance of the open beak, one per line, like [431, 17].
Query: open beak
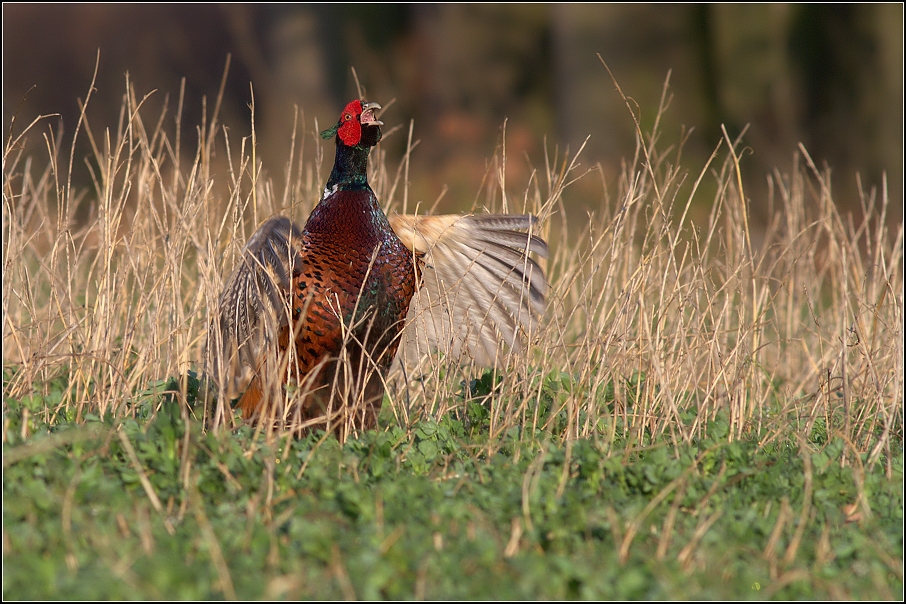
[368, 118]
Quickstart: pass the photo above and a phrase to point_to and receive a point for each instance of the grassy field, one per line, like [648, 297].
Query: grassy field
[710, 409]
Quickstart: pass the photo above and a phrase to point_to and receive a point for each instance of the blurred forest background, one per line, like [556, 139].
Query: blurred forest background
[829, 76]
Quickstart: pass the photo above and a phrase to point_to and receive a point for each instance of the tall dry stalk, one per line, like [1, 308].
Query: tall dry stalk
[653, 318]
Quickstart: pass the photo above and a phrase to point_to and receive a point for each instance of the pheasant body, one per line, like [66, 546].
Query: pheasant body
[351, 292]
[325, 306]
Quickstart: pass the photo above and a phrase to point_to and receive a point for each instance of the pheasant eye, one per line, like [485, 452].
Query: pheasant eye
[347, 117]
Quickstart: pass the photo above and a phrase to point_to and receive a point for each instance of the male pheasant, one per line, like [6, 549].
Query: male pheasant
[323, 308]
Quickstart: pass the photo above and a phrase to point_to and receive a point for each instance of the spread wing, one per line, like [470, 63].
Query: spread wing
[478, 286]
[254, 305]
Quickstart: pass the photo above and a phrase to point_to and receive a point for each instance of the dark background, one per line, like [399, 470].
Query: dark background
[829, 76]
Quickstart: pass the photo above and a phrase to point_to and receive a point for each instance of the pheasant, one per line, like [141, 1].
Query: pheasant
[323, 308]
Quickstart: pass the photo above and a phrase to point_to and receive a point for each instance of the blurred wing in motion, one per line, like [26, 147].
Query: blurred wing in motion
[478, 286]
[254, 305]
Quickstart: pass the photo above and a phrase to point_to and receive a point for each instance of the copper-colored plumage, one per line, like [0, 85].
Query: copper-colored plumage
[324, 307]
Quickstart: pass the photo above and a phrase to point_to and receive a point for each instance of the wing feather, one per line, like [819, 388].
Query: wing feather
[254, 304]
[478, 288]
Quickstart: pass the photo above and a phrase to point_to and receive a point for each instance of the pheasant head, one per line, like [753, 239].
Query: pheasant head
[357, 126]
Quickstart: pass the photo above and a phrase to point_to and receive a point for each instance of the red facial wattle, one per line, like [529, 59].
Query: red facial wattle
[350, 129]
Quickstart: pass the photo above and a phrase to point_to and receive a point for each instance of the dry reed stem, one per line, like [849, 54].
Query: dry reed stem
[781, 327]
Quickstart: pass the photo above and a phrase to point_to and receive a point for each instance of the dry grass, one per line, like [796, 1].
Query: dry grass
[781, 327]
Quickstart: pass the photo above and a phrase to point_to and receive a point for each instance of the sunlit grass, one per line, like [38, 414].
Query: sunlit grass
[660, 332]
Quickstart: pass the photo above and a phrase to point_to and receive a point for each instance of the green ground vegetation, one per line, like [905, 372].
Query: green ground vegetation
[154, 507]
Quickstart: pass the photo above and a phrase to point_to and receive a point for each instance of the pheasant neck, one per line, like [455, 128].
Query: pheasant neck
[349, 168]
[349, 204]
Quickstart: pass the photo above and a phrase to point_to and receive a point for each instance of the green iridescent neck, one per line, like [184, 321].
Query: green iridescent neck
[349, 167]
